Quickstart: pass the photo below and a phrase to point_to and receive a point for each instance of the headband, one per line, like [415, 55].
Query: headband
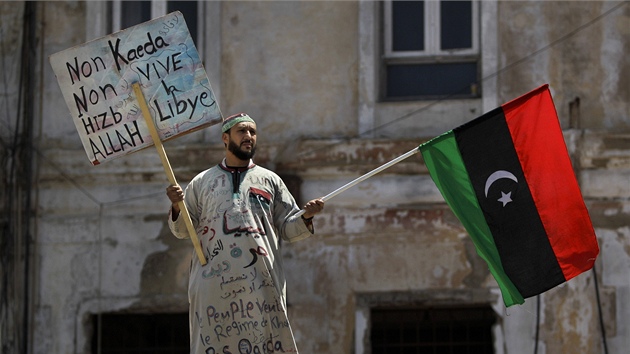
[231, 121]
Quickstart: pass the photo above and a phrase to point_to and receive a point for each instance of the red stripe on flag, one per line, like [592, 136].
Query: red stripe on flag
[540, 147]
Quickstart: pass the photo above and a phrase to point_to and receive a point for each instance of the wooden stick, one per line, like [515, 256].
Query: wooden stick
[365, 176]
[167, 168]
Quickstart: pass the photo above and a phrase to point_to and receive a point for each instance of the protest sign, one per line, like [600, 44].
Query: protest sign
[96, 81]
[137, 87]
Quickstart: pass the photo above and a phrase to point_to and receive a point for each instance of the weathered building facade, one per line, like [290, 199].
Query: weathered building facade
[83, 243]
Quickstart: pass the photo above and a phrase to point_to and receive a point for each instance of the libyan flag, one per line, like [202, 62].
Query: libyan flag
[508, 178]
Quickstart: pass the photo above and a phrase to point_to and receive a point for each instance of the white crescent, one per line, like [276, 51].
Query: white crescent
[498, 175]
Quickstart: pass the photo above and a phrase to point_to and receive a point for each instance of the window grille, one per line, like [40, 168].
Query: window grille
[140, 333]
[453, 330]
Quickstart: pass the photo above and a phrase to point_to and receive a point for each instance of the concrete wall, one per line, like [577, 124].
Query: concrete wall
[306, 72]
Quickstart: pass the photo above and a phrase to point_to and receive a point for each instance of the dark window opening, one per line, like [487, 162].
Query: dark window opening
[454, 330]
[432, 81]
[456, 24]
[134, 12]
[408, 25]
[189, 10]
[141, 333]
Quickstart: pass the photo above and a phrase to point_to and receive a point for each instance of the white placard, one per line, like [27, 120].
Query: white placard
[96, 79]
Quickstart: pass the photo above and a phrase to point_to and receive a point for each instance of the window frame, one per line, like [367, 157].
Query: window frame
[366, 302]
[432, 54]
[374, 112]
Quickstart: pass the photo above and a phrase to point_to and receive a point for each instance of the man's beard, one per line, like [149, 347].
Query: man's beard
[240, 154]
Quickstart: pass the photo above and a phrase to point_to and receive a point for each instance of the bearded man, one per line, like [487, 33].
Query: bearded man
[241, 212]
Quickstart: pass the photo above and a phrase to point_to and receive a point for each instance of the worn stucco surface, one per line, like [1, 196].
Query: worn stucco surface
[101, 243]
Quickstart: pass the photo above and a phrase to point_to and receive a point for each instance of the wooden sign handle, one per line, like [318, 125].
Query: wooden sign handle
[167, 168]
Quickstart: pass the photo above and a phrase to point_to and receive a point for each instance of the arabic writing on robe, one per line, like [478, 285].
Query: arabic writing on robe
[238, 299]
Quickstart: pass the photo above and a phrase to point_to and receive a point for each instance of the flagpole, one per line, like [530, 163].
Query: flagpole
[366, 176]
[169, 171]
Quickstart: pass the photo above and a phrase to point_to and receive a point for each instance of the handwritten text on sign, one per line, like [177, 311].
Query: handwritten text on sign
[96, 79]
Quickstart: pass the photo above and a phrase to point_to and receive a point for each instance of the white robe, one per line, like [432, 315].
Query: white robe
[238, 299]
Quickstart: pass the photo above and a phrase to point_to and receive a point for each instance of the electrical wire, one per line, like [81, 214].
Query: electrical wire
[599, 310]
[537, 324]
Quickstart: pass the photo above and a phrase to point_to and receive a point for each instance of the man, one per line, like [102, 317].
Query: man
[240, 211]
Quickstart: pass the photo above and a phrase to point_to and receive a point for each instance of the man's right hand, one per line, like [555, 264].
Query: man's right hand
[175, 194]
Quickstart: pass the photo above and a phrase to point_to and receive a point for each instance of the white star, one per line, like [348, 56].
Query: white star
[505, 198]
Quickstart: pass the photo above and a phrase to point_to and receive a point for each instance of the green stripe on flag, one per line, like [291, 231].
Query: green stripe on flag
[445, 164]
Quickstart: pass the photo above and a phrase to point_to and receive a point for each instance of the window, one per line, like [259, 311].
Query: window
[134, 12]
[430, 50]
[129, 13]
[458, 330]
[140, 333]
[190, 10]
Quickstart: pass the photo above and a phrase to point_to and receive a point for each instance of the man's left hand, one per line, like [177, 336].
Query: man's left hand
[313, 207]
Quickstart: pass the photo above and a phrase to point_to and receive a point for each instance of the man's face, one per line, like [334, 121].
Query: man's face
[241, 140]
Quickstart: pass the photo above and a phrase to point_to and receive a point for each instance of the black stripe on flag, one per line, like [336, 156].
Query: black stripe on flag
[493, 166]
